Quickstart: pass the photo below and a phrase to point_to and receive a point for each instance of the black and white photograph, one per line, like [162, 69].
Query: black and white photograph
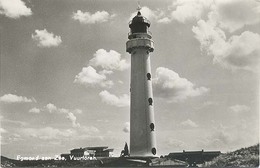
[129, 83]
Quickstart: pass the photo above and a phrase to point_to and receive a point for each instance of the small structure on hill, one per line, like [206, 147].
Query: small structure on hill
[101, 151]
[125, 152]
[89, 152]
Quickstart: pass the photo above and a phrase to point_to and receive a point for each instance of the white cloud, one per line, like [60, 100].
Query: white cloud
[77, 111]
[2, 130]
[11, 98]
[14, 8]
[14, 137]
[180, 10]
[164, 20]
[212, 38]
[89, 130]
[235, 14]
[47, 133]
[185, 10]
[54, 109]
[152, 15]
[239, 108]
[110, 60]
[229, 14]
[50, 133]
[69, 113]
[219, 138]
[238, 52]
[51, 107]
[14, 122]
[34, 110]
[88, 18]
[243, 51]
[146, 12]
[105, 72]
[63, 110]
[46, 39]
[105, 60]
[73, 119]
[110, 99]
[126, 128]
[226, 138]
[208, 103]
[176, 144]
[189, 123]
[9, 138]
[89, 77]
[169, 85]
[103, 121]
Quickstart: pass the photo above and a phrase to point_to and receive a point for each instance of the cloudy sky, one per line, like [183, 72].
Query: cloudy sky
[65, 74]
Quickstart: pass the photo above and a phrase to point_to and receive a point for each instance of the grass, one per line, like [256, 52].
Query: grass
[244, 157]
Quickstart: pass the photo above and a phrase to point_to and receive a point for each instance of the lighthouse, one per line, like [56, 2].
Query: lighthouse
[142, 125]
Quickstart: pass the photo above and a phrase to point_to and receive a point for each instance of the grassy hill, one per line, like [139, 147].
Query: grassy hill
[244, 157]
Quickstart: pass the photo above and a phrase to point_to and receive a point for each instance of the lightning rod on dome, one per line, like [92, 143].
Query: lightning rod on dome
[138, 6]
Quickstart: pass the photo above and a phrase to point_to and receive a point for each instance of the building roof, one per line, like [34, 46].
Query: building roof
[110, 150]
[196, 152]
[96, 147]
[77, 149]
[104, 148]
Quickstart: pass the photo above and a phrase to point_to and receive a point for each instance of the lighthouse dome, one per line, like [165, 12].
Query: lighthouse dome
[139, 24]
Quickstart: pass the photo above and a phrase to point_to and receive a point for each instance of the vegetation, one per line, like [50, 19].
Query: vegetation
[244, 157]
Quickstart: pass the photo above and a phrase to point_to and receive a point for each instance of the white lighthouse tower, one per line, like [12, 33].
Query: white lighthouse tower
[142, 126]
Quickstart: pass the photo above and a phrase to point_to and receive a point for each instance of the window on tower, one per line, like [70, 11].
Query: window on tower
[148, 76]
[152, 126]
[150, 101]
[154, 151]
